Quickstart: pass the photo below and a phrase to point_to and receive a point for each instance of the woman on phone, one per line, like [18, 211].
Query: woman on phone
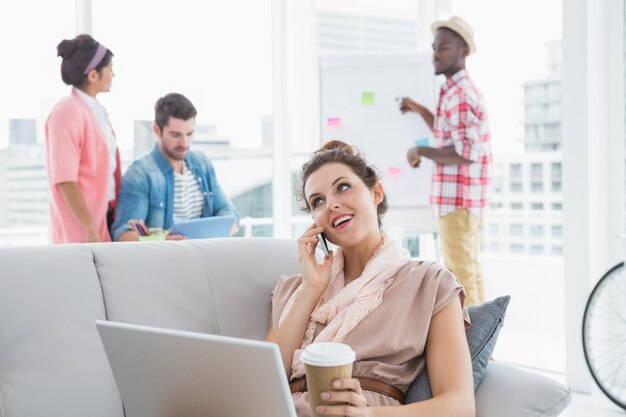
[83, 160]
[398, 314]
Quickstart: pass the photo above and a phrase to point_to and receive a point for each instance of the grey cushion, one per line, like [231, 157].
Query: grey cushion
[482, 335]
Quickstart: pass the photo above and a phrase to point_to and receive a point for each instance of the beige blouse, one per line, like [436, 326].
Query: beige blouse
[390, 342]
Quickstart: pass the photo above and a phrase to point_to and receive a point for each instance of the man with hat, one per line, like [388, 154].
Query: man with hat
[461, 151]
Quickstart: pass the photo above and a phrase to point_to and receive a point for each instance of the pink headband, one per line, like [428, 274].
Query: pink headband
[97, 58]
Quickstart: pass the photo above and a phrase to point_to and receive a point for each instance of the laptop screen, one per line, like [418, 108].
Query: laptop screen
[161, 372]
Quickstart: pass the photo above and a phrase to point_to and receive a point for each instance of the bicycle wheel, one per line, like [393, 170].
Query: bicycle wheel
[604, 334]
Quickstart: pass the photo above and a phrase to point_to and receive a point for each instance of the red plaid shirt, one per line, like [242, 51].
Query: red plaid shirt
[461, 121]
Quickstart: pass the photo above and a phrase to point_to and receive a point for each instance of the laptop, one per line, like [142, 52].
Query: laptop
[165, 373]
[204, 227]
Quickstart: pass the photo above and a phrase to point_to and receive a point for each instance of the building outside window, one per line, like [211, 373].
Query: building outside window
[516, 229]
[557, 250]
[536, 250]
[516, 248]
[536, 177]
[516, 178]
[536, 230]
[555, 174]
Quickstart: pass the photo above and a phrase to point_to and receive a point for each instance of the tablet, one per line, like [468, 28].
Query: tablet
[204, 227]
[164, 373]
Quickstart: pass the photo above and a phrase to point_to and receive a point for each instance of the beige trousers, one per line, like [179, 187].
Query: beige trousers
[460, 232]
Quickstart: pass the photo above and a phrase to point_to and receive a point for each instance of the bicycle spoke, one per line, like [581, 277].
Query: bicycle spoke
[617, 371]
[607, 365]
[613, 309]
[597, 336]
[605, 334]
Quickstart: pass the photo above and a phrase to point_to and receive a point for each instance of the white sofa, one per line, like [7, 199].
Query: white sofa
[51, 359]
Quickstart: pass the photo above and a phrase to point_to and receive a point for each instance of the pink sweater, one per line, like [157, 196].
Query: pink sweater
[76, 151]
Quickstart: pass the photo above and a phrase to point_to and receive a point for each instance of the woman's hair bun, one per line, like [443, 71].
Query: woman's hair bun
[337, 145]
[66, 48]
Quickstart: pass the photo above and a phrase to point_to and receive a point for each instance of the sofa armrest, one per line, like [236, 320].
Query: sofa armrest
[510, 391]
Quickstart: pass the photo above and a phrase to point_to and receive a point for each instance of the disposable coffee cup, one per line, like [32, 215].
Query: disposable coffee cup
[324, 363]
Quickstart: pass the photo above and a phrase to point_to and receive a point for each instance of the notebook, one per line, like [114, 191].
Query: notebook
[204, 227]
[165, 373]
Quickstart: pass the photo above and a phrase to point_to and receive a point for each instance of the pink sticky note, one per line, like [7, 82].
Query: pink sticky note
[394, 172]
[333, 122]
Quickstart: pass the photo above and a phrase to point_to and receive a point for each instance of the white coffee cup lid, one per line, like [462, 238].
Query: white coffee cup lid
[327, 354]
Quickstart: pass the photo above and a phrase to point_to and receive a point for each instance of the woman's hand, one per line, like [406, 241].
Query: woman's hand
[92, 235]
[351, 394]
[315, 276]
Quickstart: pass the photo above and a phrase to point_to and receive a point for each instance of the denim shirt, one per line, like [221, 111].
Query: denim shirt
[147, 191]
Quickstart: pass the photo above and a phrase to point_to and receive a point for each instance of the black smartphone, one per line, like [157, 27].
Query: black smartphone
[323, 244]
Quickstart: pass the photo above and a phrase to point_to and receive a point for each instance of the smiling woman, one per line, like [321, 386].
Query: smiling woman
[357, 289]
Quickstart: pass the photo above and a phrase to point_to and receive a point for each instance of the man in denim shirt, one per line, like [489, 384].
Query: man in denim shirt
[170, 182]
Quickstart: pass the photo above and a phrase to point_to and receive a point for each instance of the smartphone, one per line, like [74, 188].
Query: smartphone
[323, 244]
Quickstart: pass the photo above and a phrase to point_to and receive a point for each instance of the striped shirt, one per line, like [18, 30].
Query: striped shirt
[188, 198]
[461, 121]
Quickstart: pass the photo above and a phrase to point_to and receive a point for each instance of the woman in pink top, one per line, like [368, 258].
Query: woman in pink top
[398, 314]
[82, 157]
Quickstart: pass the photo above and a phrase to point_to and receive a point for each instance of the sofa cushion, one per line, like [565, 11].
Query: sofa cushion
[510, 391]
[219, 286]
[160, 284]
[52, 362]
[243, 274]
[487, 319]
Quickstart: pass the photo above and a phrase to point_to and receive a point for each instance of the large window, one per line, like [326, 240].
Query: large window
[222, 56]
[525, 116]
[199, 49]
[30, 82]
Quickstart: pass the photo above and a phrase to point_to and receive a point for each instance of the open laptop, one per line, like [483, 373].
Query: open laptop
[165, 373]
[204, 227]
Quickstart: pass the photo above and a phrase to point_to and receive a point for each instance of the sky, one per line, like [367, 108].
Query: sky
[510, 40]
[221, 58]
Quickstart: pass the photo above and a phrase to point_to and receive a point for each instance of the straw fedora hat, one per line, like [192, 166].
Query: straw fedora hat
[460, 27]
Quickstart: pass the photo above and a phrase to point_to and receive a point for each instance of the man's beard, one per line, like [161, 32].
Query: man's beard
[174, 156]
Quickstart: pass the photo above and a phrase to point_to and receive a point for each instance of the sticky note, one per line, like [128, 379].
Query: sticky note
[394, 172]
[333, 123]
[422, 142]
[368, 98]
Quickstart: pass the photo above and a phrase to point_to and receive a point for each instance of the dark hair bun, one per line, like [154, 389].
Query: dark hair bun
[66, 48]
[337, 145]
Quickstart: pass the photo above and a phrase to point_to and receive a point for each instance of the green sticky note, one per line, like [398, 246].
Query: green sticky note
[368, 98]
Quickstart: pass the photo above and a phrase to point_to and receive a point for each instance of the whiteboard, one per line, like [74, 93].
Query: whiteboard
[359, 104]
